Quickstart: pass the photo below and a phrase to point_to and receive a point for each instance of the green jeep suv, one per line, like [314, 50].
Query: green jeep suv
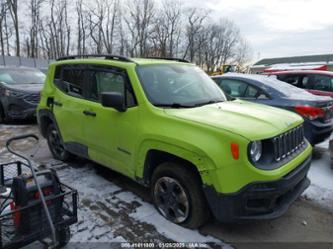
[167, 125]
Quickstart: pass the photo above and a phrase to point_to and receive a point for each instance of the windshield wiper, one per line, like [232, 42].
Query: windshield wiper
[208, 102]
[174, 105]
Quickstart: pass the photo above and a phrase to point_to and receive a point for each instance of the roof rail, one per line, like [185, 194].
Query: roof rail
[106, 56]
[169, 59]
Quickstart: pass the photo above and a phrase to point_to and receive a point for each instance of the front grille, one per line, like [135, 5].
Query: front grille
[31, 98]
[288, 143]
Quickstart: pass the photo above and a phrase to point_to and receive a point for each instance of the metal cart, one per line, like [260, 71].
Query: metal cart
[34, 205]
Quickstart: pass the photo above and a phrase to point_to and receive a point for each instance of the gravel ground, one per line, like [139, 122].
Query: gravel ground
[112, 208]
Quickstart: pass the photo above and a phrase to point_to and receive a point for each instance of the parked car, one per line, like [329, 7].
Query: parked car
[317, 111]
[315, 81]
[19, 92]
[167, 125]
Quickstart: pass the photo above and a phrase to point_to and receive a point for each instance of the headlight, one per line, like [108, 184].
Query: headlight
[8, 92]
[255, 151]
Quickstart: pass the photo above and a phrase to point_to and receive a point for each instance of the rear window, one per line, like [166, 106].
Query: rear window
[21, 76]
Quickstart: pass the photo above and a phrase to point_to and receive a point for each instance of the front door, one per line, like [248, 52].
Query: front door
[110, 135]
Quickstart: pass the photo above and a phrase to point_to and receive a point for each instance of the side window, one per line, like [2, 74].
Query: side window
[217, 80]
[108, 81]
[251, 92]
[291, 79]
[233, 88]
[73, 80]
[57, 78]
[304, 81]
[322, 83]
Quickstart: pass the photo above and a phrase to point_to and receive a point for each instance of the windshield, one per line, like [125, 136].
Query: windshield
[177, 85]
[21, 76]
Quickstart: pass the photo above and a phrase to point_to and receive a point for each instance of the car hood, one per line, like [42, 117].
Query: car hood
[250, 120]
[26, 87]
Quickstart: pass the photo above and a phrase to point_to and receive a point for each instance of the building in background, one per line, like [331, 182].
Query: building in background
[308, 62]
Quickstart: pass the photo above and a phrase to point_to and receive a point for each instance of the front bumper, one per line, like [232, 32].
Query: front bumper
[262, 200]
[19, 108]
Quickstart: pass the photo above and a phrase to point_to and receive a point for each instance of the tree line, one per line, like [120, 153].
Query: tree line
[137, 28]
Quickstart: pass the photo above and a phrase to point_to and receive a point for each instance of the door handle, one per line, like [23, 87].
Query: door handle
[57, 103]
[89, 113]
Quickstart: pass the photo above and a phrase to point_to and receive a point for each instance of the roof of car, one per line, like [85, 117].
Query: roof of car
[120, 59]
[302, 72]
[279, 88]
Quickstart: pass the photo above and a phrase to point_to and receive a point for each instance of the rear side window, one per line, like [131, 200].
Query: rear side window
[70, 79]
[73, 80]
[291, 79]
[233, 88]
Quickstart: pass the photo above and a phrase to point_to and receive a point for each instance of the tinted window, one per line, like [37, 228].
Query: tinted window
[291, 79]
[108, 81]
[73, 78]
[322, 83]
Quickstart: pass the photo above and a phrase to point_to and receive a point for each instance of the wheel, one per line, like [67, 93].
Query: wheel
[178, 196]
[55, 144]
[63, 236]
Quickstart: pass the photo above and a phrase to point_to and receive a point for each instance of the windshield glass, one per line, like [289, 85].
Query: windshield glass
[21, 76]
[177, 85]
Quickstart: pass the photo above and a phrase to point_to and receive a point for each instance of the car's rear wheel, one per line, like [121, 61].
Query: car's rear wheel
[178, 196]
[55, 144]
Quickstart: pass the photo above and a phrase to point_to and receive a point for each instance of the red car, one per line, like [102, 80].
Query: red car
[315, 81]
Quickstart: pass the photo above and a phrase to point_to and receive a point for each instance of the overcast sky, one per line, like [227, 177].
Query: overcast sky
[277, 28]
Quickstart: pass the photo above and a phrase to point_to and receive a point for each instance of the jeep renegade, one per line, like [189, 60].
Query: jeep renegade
[167, 125]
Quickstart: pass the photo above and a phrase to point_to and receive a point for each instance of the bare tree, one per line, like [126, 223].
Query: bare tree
[56, 30]
[32, 43]
[140, 24]
[81, 28]
[103, 19]
[167, 29]
[193, 28]
[12, 6]
[243, 54]
[3, 14]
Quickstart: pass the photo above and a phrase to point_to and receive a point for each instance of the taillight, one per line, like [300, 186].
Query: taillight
[310, 112]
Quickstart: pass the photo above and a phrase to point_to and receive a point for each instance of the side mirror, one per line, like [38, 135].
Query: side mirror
[113, 99]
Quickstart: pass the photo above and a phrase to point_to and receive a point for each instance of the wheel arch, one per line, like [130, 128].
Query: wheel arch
[156, 157]
[45, 118]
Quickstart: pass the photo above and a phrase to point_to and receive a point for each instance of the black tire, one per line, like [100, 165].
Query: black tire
[197, 211]
[63, 236]
[55, 144]
[2, 115]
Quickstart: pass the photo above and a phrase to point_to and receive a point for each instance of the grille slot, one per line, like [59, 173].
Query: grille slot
[288, 143]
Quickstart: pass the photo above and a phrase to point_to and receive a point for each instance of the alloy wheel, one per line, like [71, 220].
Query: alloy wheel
[55, 144]
[171, 199]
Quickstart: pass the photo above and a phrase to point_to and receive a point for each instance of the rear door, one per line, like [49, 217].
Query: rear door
[69, 81]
